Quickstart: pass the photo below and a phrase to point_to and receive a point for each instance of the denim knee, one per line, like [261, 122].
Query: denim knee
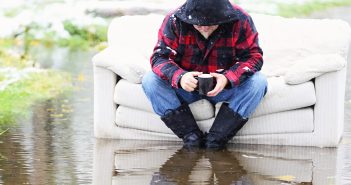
[161, 94]
[258, 83]
[150, 81]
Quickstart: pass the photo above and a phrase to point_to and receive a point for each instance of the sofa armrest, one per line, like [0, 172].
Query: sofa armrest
[329, 108]
[104, 107]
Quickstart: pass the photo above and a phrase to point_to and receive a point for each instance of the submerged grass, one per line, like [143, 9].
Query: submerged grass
[17, 98]
[300, 10]
[2, 132]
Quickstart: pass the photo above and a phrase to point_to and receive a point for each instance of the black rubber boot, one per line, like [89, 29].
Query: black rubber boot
[182, 122]
[226, 124]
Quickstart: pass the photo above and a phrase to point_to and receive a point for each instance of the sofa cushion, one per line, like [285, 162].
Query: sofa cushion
[311, 67]
[283, 44]
[295, 121]
[131, 67]
[132, 95]
[280, 97]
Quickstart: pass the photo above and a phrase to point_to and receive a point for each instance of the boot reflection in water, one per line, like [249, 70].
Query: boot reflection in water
[178, 168]
[225, 168]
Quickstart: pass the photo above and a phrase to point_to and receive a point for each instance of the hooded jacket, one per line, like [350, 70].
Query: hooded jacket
[233, 46]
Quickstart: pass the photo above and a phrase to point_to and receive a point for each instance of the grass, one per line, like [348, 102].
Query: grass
[2, 77]
[83, 37]
[12, 58]
[79, 38]
[300, 10]
[17, 98]
[1, 133]
[15, 51]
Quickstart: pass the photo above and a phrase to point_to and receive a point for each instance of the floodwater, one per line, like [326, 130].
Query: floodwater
[55, 145]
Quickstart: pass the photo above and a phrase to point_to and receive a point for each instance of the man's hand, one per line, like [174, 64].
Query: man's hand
[222, 81]
[188, 82]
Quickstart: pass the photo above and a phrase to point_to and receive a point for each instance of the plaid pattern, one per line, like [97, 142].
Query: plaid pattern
[232, 46]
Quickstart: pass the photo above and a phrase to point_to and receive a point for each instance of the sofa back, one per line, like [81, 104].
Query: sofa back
[287, 40]
[134, 35]
[284, 40]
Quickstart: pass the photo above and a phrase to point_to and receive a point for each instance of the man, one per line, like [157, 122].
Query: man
[206, 36]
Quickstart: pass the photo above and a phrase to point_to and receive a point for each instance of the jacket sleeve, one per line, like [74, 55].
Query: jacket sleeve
[248, 54]
[165, 51]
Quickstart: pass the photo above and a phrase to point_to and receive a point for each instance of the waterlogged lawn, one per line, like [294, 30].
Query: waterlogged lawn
[24, 29]
[304, 9]
[289, 8]
[17, 98]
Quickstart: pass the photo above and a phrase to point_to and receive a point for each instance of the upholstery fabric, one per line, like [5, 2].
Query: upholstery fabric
[296, 121]
[131, 67]
[287, 40]
[280, 97]
[132, 95]
[314, 66]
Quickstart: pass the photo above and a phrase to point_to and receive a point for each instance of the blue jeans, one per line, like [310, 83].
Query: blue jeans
[242, 99]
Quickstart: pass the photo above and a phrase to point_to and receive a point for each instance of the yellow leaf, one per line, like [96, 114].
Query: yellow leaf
[285, 178]
[64, 105]
[67, 110]
[35, 43]
[56, 115]
[81, 77]
[50, 110]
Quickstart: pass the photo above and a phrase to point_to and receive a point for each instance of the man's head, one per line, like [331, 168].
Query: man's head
[206, 12]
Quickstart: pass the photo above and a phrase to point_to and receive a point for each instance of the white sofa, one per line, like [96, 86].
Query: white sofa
[304, 60]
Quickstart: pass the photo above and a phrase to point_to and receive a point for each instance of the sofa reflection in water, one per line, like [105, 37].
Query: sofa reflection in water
[152, 162]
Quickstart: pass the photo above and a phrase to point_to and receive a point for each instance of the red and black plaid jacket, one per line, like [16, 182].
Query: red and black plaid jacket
[232, 46]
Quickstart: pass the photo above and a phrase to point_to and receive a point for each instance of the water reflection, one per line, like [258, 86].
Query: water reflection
[153, 162]
[54, 145]
[201, 166]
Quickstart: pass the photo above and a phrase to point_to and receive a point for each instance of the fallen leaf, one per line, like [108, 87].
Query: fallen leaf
[65, 106]
[285, 178]
[67, 110]
[81, 77]
[50, 110]
[56, 115]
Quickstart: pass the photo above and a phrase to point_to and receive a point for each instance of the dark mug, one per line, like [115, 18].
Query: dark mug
[205, 83]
